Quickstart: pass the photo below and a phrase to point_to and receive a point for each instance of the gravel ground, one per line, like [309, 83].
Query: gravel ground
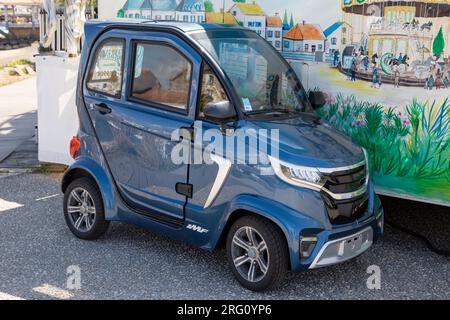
[130, 263]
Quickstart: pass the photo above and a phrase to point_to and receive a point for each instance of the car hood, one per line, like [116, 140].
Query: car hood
[308, 141]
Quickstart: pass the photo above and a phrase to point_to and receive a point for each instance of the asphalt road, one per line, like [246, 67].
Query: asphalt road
[36, 248]
[18, 118]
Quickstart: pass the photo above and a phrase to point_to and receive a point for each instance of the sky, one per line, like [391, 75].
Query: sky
[323, 12]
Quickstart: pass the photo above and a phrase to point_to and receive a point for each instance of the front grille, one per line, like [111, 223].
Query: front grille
[346, 181]
[344, 211]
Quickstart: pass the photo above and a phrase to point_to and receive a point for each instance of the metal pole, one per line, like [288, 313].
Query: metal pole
[33, 16]
[223, 12]
[6, 15]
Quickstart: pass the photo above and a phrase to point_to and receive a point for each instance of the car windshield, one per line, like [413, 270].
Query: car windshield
[265, 82]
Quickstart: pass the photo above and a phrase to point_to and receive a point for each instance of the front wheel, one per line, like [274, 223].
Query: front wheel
[257, 253]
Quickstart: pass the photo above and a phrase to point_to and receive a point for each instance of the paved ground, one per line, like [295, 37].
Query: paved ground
[18, 117]
[130, 263]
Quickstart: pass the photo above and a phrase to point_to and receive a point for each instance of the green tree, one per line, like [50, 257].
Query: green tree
[209, 6]
[439, 43]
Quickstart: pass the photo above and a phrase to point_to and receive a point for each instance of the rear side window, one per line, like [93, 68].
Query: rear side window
[105, 75]
[162, 75]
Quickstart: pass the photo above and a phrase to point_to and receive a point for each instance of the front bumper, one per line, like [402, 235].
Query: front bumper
[343, 249]
[330, 249]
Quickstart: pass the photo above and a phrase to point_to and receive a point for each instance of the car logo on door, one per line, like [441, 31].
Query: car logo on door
[198, 229]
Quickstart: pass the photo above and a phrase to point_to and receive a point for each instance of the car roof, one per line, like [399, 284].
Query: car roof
[164, 25]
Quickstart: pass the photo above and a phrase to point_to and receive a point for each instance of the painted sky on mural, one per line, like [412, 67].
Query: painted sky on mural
[302, 9]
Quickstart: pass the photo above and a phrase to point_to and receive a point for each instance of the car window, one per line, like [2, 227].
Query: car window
[161, 75]
[263, 80]
[211, 90]
[106, 72]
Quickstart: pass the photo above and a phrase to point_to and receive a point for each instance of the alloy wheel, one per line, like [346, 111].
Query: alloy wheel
[81, 209]
[250, 254]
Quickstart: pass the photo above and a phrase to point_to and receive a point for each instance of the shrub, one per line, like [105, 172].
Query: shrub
[415, 143]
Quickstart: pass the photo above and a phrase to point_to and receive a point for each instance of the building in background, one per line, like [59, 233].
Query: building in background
[149, 9]
[220, 17]
[251, 16]
[191, 11]
[274, 31]
[338, 36]
[303, 37]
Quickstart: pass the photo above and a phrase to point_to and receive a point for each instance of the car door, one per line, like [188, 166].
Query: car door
[209, 175]
[140, 89]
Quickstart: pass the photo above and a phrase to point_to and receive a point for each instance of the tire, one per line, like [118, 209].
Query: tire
[270, 262]
[83, 209]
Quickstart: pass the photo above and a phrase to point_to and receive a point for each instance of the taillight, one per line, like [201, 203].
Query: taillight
[75, 145]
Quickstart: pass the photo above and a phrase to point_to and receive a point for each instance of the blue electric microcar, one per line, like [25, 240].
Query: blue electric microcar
[204, 133]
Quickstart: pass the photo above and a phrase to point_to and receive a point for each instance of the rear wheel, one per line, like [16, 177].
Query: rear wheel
[83, 209]
[257, 253]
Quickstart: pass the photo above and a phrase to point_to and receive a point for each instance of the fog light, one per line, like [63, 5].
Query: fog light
[307, 245]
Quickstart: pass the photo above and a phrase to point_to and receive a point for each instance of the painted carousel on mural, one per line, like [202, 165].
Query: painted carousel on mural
[392, 94]
[408, 41]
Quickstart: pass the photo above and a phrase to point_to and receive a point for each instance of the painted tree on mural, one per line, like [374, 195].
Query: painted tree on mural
[438, 43]
[285, 19]
[209, 6]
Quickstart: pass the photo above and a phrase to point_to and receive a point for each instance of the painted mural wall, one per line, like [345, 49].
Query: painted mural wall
[385, 66]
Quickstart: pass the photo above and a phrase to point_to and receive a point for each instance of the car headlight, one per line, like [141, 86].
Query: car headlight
[297, 175]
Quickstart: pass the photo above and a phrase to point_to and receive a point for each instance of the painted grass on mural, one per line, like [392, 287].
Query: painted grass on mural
[412, 145]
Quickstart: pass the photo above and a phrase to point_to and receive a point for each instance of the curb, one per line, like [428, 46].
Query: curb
[17, 170]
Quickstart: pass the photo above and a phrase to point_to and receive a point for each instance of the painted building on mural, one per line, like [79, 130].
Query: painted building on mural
[274, 31]
[191, 11]
[304, 37]
[220, 17]
[251, 16]
[185, 10]
[338, 36]
[149, 9]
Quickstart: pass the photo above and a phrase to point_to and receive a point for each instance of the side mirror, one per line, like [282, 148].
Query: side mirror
[220, 112]
[317, 99]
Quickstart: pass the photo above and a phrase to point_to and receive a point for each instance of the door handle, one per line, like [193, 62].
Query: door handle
[102, 108]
